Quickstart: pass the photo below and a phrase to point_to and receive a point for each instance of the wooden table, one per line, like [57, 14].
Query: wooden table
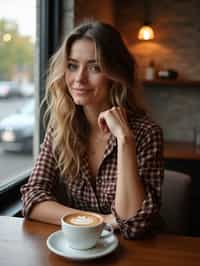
[23, 243]
[181, 150]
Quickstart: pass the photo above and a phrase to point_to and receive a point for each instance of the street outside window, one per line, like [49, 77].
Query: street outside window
[17, 88]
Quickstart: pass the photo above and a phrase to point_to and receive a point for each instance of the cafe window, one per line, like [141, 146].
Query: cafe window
[17, 88]
[24, 55]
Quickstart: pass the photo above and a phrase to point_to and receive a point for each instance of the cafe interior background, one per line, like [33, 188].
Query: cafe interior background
[173, 97]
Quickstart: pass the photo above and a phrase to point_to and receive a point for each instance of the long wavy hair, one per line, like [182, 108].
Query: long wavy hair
[70, 128]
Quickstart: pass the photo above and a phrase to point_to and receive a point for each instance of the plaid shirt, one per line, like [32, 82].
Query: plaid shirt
[45, 180]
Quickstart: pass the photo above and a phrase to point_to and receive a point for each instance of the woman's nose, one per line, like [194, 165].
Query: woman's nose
[81, 75]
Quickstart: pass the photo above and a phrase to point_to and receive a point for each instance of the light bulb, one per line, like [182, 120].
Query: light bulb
[146, 33]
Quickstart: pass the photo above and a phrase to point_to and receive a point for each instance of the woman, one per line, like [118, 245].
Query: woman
[100, 147]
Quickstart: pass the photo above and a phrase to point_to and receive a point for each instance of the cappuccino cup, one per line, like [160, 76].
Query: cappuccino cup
[82, 230]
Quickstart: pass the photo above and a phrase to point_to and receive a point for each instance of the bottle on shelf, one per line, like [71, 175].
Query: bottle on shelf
[167, 74]
[150, 72]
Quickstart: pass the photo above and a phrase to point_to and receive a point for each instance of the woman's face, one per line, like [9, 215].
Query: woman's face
[87, 84]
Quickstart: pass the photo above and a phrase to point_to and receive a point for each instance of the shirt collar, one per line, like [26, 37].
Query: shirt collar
[111, 144]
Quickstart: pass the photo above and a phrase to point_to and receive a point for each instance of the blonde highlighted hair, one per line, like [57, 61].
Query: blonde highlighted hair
[70, 128]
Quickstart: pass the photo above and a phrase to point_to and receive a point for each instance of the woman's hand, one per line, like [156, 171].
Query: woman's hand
[110, 219]
[115, 121]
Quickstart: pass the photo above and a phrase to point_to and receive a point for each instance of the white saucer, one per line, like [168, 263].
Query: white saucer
[57, 244]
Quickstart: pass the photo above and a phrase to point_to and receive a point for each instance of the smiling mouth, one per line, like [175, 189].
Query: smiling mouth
[81, 91]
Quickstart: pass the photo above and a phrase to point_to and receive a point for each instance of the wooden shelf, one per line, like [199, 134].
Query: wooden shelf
[181, 150]
[174, 83]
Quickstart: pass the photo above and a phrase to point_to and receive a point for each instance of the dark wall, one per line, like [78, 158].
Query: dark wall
[176, 46]
[177, 33]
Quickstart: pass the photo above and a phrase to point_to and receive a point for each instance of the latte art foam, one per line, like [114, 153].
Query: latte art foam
[81, 220]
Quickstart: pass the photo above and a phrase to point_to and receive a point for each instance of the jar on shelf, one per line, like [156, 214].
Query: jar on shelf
[150, 72]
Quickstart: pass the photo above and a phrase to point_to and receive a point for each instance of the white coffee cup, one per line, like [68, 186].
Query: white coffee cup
[83, 229]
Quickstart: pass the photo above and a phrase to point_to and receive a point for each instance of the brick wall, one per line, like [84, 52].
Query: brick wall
[94, 9]
[177, 30]
[176, 109]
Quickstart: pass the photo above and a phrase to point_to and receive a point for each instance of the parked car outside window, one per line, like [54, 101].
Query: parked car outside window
[9, 89]
[16, 130]
[12, 88]
[27, 89]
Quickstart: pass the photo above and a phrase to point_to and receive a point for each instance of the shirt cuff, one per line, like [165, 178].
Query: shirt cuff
[35, 199]
[137, 226]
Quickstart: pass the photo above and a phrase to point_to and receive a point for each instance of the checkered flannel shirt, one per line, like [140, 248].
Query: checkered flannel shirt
[80, 192]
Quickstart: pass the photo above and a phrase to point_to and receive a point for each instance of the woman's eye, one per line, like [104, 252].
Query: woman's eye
[95, 68]
[71, 66]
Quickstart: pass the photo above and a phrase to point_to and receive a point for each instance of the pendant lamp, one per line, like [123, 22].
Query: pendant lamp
[146, 32]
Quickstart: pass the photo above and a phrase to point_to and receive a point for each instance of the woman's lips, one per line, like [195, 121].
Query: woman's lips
[81, 91]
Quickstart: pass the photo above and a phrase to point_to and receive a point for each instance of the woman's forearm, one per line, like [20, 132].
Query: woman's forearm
[50, 212]
[130, 191]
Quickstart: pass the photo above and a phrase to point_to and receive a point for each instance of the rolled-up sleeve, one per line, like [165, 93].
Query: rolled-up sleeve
[150, 169]
[41, 183]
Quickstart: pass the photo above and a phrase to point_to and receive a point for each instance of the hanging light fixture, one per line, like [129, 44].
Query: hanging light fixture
[146, 31]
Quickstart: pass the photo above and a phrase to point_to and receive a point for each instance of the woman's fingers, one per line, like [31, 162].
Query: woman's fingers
[103, 125]
[110, 219]
[112, 120]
